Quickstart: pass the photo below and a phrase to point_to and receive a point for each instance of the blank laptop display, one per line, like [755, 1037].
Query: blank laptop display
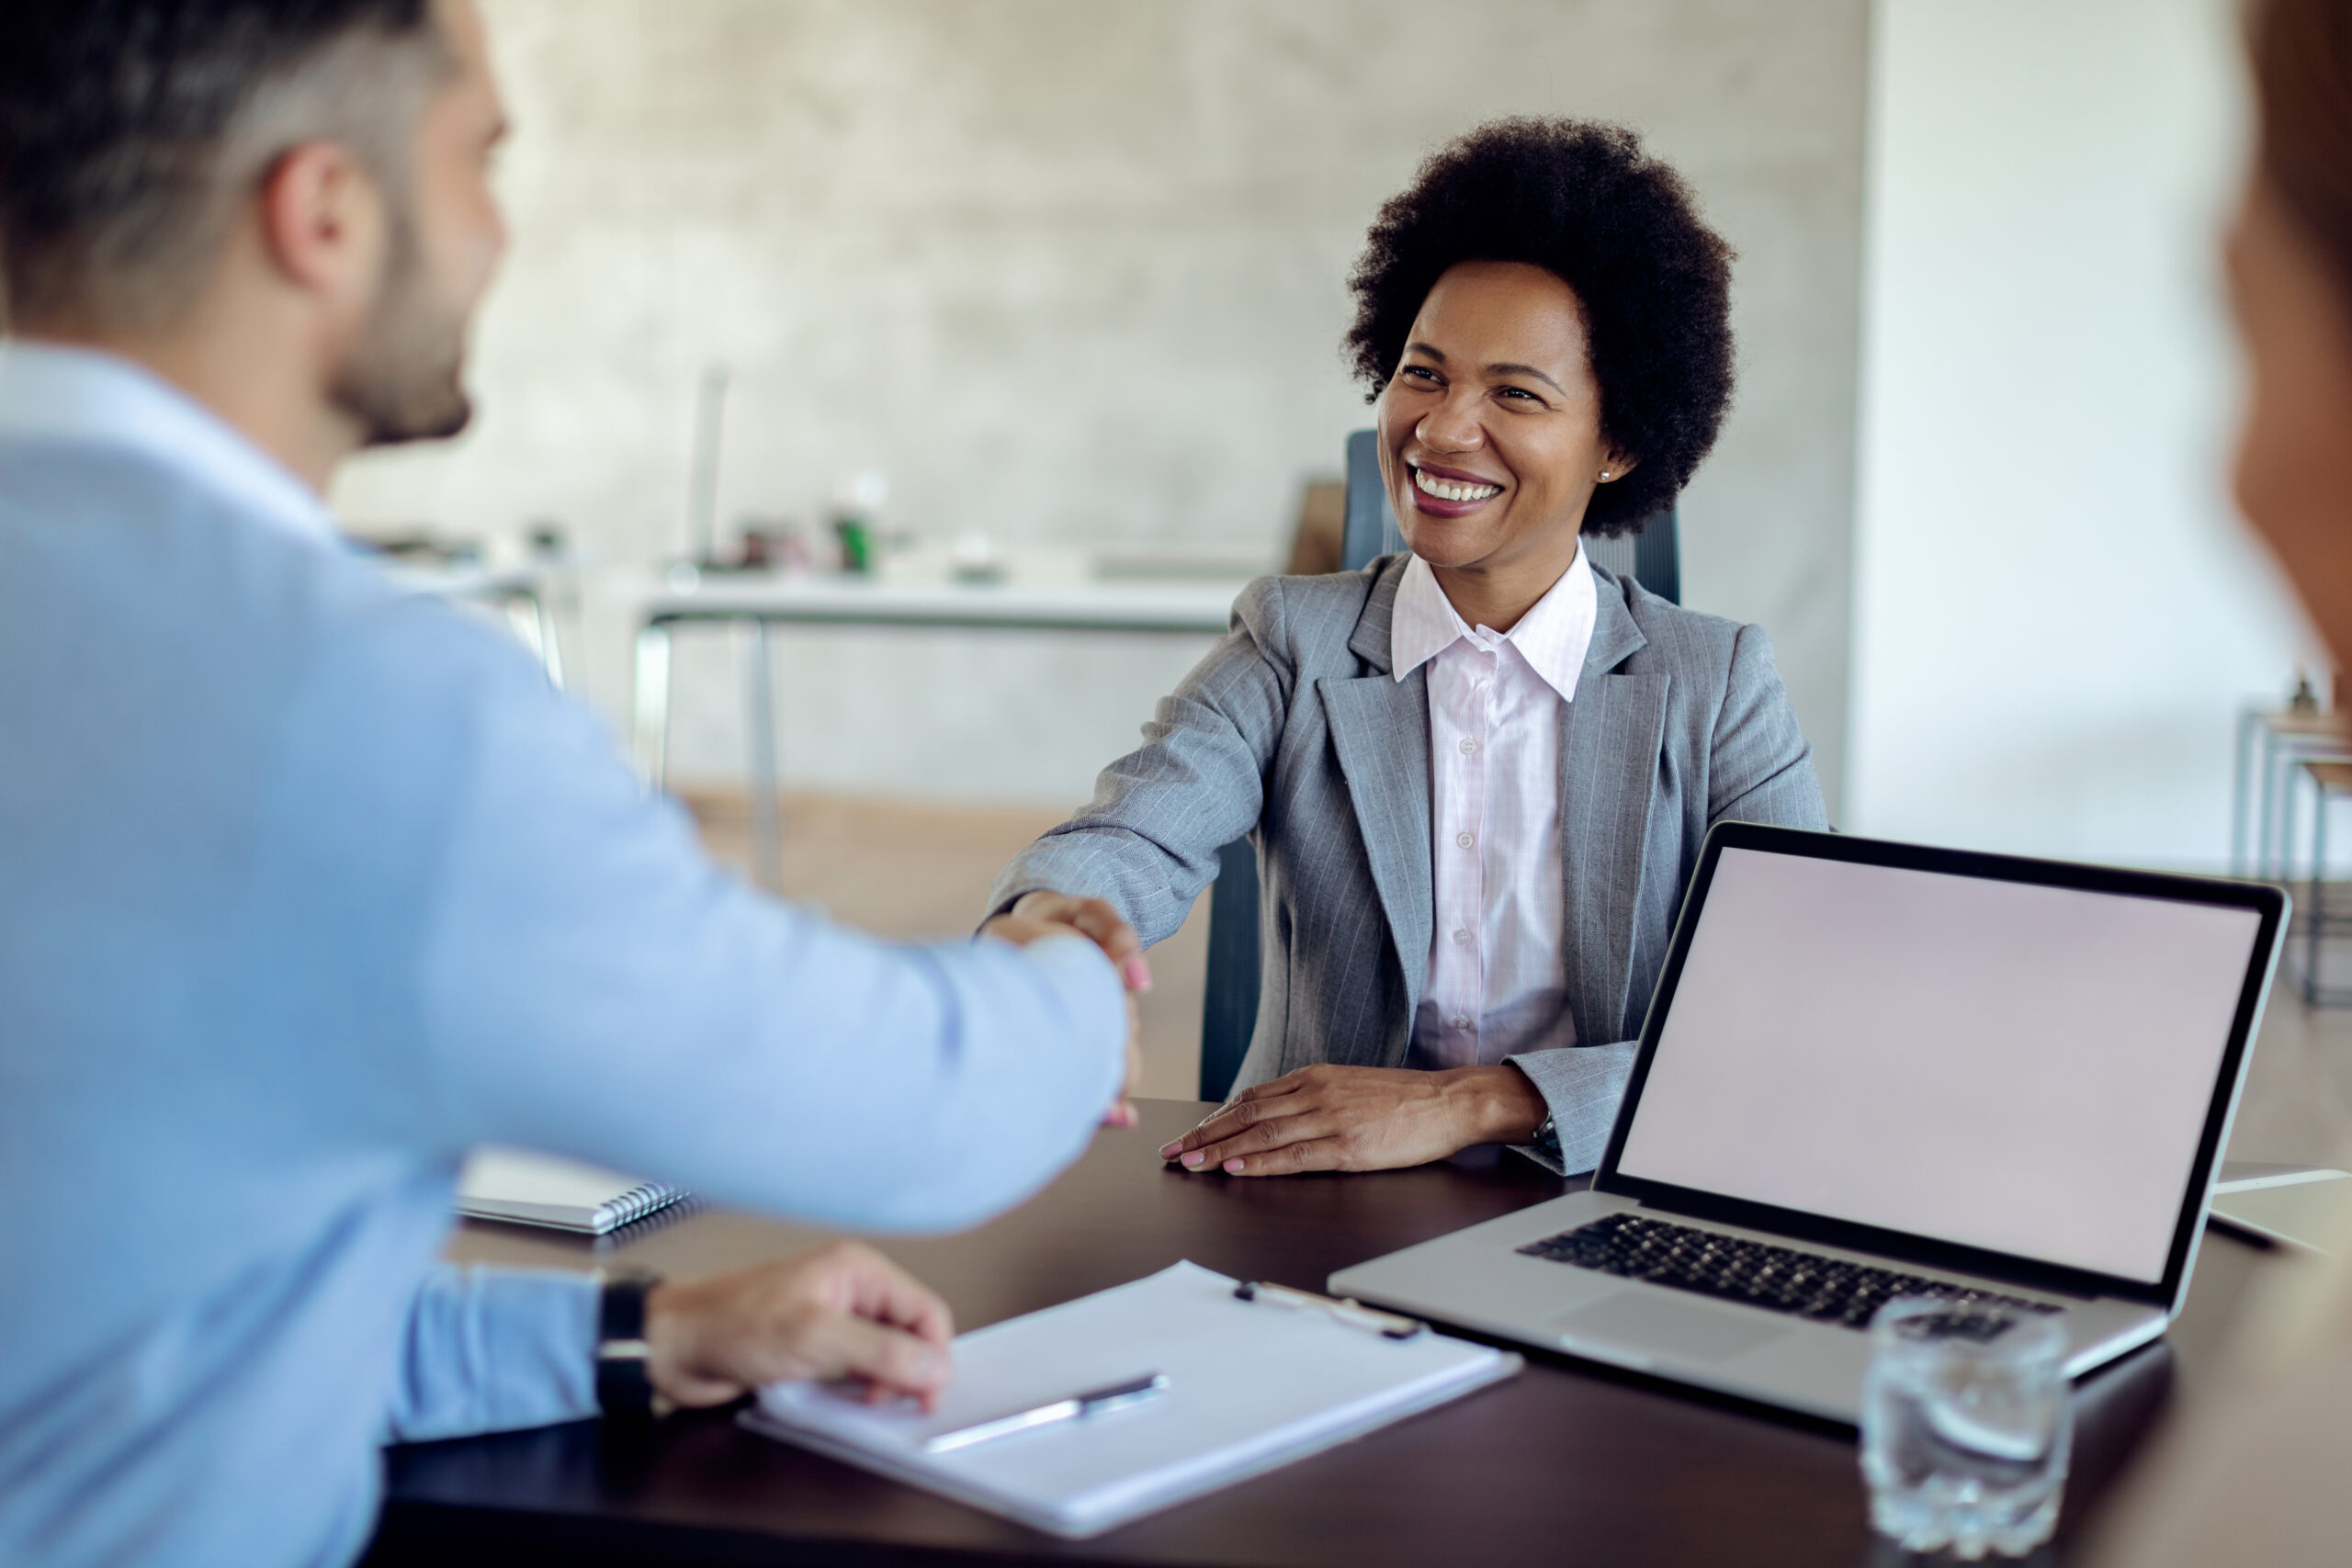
[2023, 1069]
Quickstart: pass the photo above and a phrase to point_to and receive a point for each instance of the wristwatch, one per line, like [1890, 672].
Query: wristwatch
[1547, 1135]
[624, 1389]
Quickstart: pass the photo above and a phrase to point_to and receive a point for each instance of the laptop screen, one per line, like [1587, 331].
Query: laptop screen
[2019, 1067]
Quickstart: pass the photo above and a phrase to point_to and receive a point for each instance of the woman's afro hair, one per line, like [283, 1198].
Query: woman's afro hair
[1583, 201]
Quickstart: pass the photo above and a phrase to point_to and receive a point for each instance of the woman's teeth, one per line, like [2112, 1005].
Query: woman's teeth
[1449, 489]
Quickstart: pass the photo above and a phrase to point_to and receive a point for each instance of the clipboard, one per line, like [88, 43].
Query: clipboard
[1250, 1388]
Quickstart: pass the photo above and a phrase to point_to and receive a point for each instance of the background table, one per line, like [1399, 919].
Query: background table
[1568, 1462]
[525, 594]
[763, 601]
[2271, 746]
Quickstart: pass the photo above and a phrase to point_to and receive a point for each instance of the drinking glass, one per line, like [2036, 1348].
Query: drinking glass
[1967, 1426]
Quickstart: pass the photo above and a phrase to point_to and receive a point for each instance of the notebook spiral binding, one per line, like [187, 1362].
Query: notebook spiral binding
[641, 1200]
[686, 1207]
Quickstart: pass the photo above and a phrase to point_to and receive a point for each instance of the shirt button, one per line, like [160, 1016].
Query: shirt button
[1466, 839]
[1462, 937]
[1469, 747]
[1461, 1023]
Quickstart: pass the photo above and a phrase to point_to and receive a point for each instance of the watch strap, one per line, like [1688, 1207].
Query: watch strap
[624, 1386]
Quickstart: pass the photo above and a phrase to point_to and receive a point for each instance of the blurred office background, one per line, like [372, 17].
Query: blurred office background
[1073, 271]
[1070, 274]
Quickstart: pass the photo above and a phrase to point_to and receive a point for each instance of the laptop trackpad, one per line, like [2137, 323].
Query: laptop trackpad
[1661, 1324]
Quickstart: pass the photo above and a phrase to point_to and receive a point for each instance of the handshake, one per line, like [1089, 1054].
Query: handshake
[1041, 914]
[1320, 1118]
[845, 1311]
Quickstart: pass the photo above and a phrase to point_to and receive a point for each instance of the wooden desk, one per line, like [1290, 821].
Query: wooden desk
[1567, 1462]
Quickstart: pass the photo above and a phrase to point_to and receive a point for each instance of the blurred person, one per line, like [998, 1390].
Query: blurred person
[2255, 1472]
[310, 885]
[1478, 773]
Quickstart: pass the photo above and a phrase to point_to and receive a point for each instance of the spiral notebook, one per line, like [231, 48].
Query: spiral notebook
[529, 1189]
[1250, 1386]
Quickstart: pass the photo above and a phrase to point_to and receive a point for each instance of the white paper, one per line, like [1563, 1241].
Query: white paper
[1250, 1386]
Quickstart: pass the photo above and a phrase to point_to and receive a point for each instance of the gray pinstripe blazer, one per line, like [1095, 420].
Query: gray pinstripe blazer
[1293, 732]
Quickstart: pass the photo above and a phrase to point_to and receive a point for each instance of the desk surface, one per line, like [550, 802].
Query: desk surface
[1568, 1459]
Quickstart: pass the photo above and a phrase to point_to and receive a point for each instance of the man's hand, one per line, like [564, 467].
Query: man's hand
[1042, 914]
[844, 1311]
[1090, 917]
[1327, 1117]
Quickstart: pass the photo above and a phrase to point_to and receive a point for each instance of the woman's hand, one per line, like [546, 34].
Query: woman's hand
[1329, 1118]
[1090, 917]
[844, 1311]
[1042, 914]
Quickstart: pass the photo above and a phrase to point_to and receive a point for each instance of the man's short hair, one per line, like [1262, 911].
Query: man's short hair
[130, 130]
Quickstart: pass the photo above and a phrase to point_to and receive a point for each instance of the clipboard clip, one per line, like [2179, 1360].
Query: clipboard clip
[1342, 1309]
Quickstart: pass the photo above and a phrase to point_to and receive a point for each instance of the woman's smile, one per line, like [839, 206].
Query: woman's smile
[1449, 493]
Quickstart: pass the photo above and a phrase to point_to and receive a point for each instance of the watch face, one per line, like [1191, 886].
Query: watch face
[623, 1387]
[620, 1313]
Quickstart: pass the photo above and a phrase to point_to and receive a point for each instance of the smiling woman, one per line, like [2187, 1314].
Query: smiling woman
[1611, 235]
[1477, 774]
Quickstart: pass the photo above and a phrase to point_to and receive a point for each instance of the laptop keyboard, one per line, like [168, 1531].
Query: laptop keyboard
[1778, 1279]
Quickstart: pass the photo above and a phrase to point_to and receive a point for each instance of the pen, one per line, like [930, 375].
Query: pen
[1346, 1310]
[1073, 1407]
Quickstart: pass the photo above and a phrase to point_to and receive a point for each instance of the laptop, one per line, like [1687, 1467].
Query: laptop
[1872, 1070]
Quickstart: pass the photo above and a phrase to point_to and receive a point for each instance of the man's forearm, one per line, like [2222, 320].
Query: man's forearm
[493, 1350]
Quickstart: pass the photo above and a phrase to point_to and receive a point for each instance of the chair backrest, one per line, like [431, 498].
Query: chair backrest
[1652, 558]
[1371, 530]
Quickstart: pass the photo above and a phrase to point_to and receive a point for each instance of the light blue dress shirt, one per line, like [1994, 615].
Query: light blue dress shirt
[307, 884]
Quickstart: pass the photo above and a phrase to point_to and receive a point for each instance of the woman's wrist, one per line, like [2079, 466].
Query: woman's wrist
[1496, 1105]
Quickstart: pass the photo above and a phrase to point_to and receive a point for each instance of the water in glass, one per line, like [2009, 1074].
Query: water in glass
[1966, 1427]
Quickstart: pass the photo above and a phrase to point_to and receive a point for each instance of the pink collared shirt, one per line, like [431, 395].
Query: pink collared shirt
[1496, 981]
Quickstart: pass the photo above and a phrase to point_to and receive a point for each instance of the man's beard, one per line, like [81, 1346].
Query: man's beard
[404, 381]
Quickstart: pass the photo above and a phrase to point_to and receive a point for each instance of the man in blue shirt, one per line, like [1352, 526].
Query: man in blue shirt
[308, 885]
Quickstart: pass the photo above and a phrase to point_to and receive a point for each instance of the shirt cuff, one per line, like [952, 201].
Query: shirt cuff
[493, 1349]
[1583, 1086]
[1545, 1150]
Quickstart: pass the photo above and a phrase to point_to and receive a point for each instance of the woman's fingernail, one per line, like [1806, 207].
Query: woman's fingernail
[1233, 1167]
[1138, 975]
[1123, 1115]
[1169, 1151]
[1195, 1158]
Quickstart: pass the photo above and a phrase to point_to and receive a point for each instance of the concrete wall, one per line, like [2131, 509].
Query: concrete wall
[2057, 611]
[1072, 270]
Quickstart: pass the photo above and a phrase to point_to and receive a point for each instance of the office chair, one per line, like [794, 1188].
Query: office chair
[1229, 1005]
